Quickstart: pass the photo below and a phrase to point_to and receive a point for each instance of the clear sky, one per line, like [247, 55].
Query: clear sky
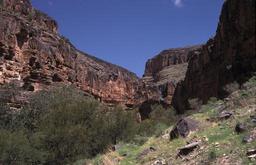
[128, 32]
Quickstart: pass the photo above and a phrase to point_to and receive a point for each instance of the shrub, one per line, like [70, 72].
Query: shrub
[64, 126]
[162, 115]
[8, 117]
[66, 130]
[16, 149]
[5, 116]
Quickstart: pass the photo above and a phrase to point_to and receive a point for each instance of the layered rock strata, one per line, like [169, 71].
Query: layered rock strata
[165, 70]
[33, 53]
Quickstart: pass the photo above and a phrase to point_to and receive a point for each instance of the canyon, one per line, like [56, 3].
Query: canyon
[35, 55]
[193, 105]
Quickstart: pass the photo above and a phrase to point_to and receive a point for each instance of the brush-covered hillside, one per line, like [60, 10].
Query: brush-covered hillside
[224, 134]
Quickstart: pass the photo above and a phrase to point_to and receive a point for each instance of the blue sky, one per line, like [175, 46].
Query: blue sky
[128, 32]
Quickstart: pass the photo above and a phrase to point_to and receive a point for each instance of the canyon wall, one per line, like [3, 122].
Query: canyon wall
[166, 69]
[228, 57]
[34, 54]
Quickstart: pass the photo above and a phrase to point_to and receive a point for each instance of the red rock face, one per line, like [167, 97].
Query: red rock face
[165, 70]
[229, 56]
[32, 52]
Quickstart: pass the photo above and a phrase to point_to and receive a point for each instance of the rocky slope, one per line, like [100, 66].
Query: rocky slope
[166, 69]
[33, 53]
[228, 57]
[217, 140]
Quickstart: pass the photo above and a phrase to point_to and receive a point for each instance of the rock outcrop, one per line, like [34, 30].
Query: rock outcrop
[228, 57]
[183, 128]
[165, 70]
[33, 53]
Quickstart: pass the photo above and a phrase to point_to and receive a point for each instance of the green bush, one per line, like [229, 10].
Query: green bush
[16, 149]
[159, 119]
[162, 115]
[8, 94]
[5, 116]
[61, 126]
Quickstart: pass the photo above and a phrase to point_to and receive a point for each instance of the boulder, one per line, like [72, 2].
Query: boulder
[183, 127]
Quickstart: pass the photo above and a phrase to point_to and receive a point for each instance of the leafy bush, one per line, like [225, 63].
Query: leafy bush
[16, 149]
[62, 125]
[5, 116]
[162, 115]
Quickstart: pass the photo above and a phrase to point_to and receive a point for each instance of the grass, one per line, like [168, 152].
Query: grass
[131, 150]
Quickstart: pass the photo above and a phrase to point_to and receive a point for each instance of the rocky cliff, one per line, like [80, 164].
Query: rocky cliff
[228, 57]
[33, 53]
[165, 70]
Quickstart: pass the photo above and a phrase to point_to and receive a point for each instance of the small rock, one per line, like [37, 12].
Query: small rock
[166, 136]
[251, 153]
[227, 99]
[57, 78]
[159, 162]
[124, 155]
[240, 128]
[247, 139]
[253, 118]
[152, 149]
[251, 137]
[225, 115]
[116, 147]
[188, 149]
[146, 152]
[216, 144]
[205, 138]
